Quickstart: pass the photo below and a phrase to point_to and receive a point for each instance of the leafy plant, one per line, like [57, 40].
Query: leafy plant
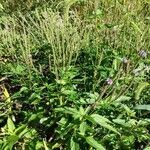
[74, 75]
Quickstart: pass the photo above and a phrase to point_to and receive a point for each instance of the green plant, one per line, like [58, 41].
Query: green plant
[76, 74]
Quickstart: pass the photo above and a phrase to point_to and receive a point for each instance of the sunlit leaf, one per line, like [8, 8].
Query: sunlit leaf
[6, 95]
[11, 140]
[140, 88]
[91, 141]
[122, 99]
[1, 7]
[57, 145]
[21, 131]
[74, 145]
[67, 110]
[147, 148]
[82, 128]
[10, 125]
[39, 145]
[143, 107]
[104, 122]
[45, 145]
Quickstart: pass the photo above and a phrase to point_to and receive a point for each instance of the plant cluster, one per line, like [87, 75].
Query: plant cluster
[74, 75]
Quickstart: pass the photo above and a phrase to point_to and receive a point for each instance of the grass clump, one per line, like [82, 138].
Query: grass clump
[74, 75]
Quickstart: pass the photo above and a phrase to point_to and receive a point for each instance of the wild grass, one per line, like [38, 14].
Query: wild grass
[81, 68]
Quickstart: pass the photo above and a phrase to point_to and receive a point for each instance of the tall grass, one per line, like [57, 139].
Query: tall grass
[111, 23]
[78, 63]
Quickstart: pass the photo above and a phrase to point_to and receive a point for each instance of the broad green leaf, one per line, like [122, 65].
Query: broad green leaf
[21, 131]
[82, 128]
[74, 145]
[57, 145]
[147, 148]
[104, 122]
[128, 110]
[91, 141]
[39, 145]
[67, 110]
[100, 118]
[33, 117]
[120, 121]
[143, 107]
[122, 99]
[11, 140]
[10, 125]
[43, 120]
[140, 88]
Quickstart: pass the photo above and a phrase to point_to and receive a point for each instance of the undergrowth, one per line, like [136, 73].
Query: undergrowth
[74, 75]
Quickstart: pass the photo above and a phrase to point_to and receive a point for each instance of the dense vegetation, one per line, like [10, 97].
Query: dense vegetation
[74, 75]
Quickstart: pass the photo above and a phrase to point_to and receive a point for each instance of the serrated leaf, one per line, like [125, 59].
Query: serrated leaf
[121, 122]
[140, 88]
[91, 141]
[122, 99]
[10, 125]
[104, 122]
[143, 107]
[74, 145]
[67, 110]
[100, 118]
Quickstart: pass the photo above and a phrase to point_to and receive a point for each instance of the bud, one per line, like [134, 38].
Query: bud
[109, 81]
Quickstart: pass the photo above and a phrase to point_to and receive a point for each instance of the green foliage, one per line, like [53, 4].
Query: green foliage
[143, 107]
[95, 144]
[140, 88]
[76, 74]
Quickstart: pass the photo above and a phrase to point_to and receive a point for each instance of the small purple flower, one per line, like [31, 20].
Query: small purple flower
[143, 54]
[109, 81]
